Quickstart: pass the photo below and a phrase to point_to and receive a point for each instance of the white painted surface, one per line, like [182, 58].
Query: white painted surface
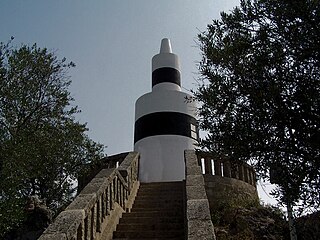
[165, 58]
[162, 157]
[165, 46]
[165, 101]
[166, 86]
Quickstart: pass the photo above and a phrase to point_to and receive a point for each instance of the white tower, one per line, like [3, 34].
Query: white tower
[165, 123]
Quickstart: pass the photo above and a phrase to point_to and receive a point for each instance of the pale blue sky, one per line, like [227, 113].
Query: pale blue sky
[112, 43]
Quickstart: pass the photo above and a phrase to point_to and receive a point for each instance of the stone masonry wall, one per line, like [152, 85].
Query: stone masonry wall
[228, 191]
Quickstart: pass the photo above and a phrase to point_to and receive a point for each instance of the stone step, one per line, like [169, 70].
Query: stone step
[149, 234]
[150, 220]
[162, 197]
[177, 209]
[149, 226]
[160, 210]
[158, 238]
[147, 192]
[157, 213]
[161, 187]
[158, 204]
[163, 184]
[152, 214]
[166, 189]
[152, 198]
[181, 238]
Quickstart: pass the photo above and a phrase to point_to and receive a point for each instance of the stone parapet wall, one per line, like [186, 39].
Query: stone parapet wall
[198, 218]
[96, 211]
[107, 162]
[223, 191]
[227, 183]
[211, 165]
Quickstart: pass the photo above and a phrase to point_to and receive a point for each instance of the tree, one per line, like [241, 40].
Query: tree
[43, 149]
[259, 92]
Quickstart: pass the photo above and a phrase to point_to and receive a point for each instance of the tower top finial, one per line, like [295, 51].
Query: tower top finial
[165, 46]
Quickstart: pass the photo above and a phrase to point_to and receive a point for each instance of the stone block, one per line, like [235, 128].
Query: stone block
[126, 163]
[96, 186]
[200, 229]
[193, 170]
[105, 173]
[194, 180]
[56, 236]
[198, 210]
[196, 192]
[83, 201]
[66, 223]
[191, 158]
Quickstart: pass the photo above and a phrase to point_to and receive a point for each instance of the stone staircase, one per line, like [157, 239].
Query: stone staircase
[168, 210]
[157, 213]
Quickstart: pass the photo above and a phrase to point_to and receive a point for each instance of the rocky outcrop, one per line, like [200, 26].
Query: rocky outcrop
[308, 227]
[254, 223]
[261, 223]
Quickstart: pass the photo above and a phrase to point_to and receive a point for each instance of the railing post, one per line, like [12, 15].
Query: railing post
[207, 165]
[241, 177]
[246, 174]
[217, 167]
[251, 177]
[234, 171]
[226, 169]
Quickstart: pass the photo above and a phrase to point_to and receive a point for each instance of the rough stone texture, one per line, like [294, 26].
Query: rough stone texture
[96, 186]
[87, 206]
[198, 210]
[199, 222]
[229, 191]
[132, 196]
[66, 223]
[196, 180]
[128, 161]
[105, 163]
[199, 230]
[54, 236]
[193, 169]
[195, 192]
[113, 220]
[158, 213]
[83, 201]
[105, 173]
[251, 223]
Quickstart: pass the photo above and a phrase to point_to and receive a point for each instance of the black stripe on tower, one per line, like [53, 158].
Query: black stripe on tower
[166, 74]
[165, 123]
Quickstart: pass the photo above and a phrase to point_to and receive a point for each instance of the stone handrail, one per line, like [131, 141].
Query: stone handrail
[113, 161]
[96, 211]
[199, 224]
[224, 168]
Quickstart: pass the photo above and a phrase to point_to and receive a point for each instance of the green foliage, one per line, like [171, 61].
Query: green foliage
[260, 92]
[220, 209]
[42, 147]
[255, 222]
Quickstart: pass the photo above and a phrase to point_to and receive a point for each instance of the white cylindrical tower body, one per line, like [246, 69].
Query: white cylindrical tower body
[165, 123]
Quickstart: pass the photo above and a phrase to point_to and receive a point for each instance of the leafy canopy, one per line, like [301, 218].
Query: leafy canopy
[260, 92]
[42, 147]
